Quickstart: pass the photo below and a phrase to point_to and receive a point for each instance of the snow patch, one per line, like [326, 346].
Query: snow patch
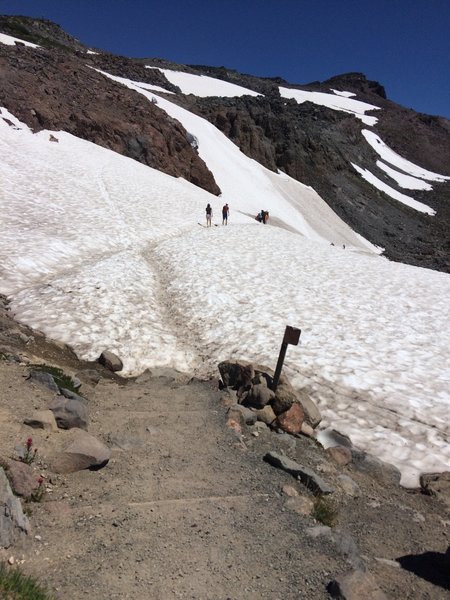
[333, 101]
[9, 40]
[383, 187]
[396, 160]
[204, 86]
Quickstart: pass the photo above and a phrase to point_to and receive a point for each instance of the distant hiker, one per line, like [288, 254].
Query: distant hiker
[343, 246]
[260, 216]
[208, 215]
[225, 213]
[264, 216]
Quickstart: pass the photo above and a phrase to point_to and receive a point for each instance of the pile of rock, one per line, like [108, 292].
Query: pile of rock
[66, 421]
[251, 398]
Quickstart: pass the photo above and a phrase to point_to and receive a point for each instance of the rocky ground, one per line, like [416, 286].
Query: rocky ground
[190, 504]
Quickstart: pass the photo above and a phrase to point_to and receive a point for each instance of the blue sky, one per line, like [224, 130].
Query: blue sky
[403, 44]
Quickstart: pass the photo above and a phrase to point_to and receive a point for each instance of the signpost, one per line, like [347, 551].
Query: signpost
[291, 336]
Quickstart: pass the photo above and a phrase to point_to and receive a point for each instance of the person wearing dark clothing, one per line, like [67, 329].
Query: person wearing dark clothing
[225, 213]
[208, 215]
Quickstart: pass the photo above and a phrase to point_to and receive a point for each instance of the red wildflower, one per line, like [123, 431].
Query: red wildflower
[29, 443]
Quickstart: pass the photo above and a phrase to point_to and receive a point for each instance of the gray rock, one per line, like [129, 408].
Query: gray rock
[437, 484]
[304, 474]
[248, 416]
[312, 412]
[110, 360]
[376, 468]
[356, 585]
[71, 395]
[319, 531]
[266, 415]
[13, 523]
[347, 546]
[350, 487]
[259, 395]
[80, 451]
[70, 413]
[42, 419]
[89, 376]
[44, 379]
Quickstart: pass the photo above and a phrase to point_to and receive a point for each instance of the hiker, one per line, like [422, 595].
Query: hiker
[208, 215]
[264, 216]
[260, 217]
[225, 213]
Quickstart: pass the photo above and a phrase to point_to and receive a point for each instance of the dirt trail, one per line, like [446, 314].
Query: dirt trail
[177, 513]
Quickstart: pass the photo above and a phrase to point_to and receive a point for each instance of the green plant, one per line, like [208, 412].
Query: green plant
[39, 492]
[325, 511]
[15, 585]
[61, 379]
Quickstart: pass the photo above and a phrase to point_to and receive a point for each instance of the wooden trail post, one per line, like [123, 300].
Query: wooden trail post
[291, 336]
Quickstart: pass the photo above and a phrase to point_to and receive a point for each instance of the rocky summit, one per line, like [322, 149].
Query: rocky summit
[61, 87]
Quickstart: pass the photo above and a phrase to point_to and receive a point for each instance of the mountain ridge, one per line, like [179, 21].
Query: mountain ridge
[313, 144]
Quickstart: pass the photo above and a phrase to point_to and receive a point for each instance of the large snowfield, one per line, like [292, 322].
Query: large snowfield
[102, 252]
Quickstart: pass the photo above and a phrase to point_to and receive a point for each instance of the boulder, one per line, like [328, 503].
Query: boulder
[304, 474]
[259, 395]
[70, 413]
[44, 378]
[302, 505]
[376, 468]
[266, 415]
[437, 484]
[236, 374]
[22, 478]
[110, 360]
[42, 419]
[89, 376]
[291, 420]
[340, 454]
[348, 486]
[356, 585]
[241, 414]
[80, 451]
[13, 523]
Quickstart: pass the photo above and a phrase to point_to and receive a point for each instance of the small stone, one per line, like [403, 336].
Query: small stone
[255, 434]
[42, 419]
[340, 454]
[38, 538]
[300, 505]
[11, 560]
[232, 424]
[306, 429]
[350, 487]
[289, 490]
[266, 415]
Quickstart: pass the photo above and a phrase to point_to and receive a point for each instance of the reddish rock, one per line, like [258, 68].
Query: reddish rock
[22, 477]
[291, 420]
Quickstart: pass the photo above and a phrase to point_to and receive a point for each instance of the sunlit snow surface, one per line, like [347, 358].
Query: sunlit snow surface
[403, 198]
[398, 161]
[11, 41]
[204, 86]
[334, 101]
[102, 252]
[404, 181]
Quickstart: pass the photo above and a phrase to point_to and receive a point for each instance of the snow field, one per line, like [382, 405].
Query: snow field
[374, 345]
[102, 252]
[204, 86]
